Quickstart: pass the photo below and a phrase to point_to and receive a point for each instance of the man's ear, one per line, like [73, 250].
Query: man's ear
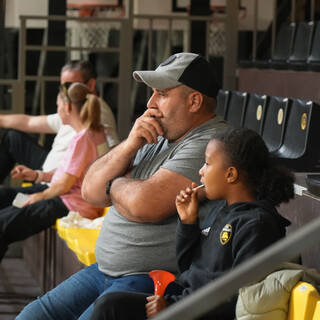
[91, 84]
[232, 175]
[196, 99]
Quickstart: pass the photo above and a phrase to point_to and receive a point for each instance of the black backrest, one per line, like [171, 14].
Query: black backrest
[300, 148]
[255, 111]
[302, 41]
[222, 102]
[315, 47]
[296, 131]
[284, 42]
[274, 123]
[236, 108]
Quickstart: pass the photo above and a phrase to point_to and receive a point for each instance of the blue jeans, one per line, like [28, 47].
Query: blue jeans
[74, 298]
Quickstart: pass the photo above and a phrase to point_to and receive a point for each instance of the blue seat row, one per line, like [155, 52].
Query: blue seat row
[289, 127]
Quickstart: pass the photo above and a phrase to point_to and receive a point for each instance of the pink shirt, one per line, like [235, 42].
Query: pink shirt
[84, 148]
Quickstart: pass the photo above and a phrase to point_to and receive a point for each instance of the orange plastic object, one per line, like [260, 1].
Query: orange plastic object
[161, 279]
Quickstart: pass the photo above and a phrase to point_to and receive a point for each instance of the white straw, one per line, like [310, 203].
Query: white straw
[198, 187]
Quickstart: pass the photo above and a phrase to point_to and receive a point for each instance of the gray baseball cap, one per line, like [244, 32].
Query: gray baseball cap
[185, 68]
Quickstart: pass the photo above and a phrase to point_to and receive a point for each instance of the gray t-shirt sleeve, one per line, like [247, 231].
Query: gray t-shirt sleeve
[188, 160]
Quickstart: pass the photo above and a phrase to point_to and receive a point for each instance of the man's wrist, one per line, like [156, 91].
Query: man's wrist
[39, 176]
[131, 146]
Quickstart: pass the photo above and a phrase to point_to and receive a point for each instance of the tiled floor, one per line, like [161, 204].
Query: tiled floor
[17, 287]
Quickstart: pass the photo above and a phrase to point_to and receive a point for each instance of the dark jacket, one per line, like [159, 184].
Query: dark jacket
[228, 236]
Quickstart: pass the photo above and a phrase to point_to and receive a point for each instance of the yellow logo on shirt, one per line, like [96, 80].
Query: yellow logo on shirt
[225, 234]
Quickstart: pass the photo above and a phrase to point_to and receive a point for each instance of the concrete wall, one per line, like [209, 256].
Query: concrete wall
[15, 8]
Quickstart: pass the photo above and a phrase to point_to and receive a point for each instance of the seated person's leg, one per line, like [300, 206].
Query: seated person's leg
[19, 147]
[69, 299]
[133, 283]
[20, 223]
[120, 306]
[123, 305]
[7, 194]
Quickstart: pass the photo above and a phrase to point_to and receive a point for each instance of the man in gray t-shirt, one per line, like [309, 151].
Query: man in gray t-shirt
[140, 179]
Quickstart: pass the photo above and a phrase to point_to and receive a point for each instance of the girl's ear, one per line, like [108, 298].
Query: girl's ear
[232, 175]
[196, 99]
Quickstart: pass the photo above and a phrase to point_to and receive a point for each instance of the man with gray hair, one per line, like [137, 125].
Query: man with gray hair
[140, 179]
[18, 147]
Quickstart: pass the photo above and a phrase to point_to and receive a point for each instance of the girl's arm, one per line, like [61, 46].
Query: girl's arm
[44, 176]
[60, 187]
[188, 231]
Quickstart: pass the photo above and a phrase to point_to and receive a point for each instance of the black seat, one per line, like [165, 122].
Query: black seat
[222, 102]
[255, 112]
[314, 57]
[236, 108]
[301, 46]
[300, 149]
[283, 47]
[274, 123]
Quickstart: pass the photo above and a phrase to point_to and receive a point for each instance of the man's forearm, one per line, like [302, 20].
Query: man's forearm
[25, 123]
[113, 164]
[137, 200]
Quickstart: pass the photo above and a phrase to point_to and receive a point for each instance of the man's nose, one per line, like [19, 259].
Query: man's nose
[201, 171]
[152, 103]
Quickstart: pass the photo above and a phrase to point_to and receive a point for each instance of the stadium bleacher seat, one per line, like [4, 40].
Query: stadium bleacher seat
[222, 102]
[255, 112]
[274, 124]
[314, 57]
[236, 108]
[300, 148]
[283, 46]
[301, 46]
[304, 302]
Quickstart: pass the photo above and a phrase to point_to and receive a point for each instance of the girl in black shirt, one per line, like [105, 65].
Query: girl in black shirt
[244, 187]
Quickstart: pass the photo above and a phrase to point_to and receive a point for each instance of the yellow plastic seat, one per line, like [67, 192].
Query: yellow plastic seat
[81, 241]
[304, 302]
[26, 184]
[316, 315]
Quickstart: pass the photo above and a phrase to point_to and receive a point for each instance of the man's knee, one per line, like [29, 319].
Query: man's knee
[110, 299]
[106, 306]
[11, 137]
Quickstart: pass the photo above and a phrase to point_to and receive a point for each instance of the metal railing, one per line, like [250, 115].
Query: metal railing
[124, 51]
[14, 91]
[125, 94]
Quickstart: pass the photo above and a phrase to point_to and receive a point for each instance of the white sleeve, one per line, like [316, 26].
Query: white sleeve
[109, 123]
[54, 122]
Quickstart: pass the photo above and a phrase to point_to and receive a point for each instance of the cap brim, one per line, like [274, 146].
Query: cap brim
[155, 79]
